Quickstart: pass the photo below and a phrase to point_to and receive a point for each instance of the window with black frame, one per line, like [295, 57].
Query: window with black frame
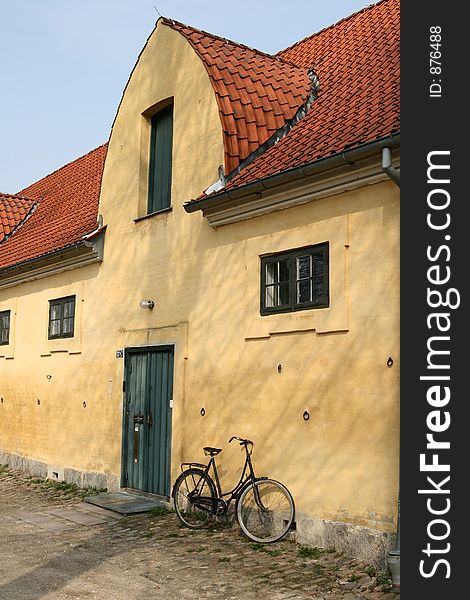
[295, 280]
[61, 317]
[4, 327]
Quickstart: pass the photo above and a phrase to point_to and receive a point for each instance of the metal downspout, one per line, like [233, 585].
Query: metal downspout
[394, 567]
[397, 546]
[393, 173]
[393, 555]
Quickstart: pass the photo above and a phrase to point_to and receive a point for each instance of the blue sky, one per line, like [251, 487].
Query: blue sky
[64, 65]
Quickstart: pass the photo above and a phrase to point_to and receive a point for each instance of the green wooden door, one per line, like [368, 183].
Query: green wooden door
[147, 419]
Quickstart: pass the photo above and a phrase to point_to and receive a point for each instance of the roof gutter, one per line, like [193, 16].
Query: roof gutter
[346, 157]
[79, 254]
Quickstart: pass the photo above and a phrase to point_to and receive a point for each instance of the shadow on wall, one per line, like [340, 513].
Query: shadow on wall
[343, 462]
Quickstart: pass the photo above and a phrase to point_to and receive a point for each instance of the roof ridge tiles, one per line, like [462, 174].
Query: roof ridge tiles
[171, 22]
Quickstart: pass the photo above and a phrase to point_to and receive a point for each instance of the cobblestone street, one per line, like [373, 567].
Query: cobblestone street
[54, 546]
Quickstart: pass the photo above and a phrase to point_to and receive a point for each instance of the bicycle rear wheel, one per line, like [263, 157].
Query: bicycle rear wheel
[194, 494]
[265, 514]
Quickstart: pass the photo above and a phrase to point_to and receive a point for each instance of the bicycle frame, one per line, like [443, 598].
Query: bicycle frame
[248, 475]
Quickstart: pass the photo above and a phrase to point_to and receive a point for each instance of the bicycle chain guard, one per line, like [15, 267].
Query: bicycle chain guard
[221, 507]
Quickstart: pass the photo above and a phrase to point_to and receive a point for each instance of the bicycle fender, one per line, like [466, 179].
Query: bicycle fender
[181, 475]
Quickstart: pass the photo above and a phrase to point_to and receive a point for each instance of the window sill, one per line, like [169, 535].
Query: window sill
[265, 312]
[153, 214]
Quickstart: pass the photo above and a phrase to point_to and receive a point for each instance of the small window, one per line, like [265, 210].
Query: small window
[61, 317]
[4, 327]
[161, 145]
[295, 280]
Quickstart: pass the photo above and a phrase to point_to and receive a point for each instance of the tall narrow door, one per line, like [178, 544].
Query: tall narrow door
[147, 419]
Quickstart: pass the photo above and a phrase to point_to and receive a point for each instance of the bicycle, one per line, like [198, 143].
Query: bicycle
[264, 507]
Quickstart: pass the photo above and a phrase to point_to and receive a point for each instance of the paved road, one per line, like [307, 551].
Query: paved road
[53, 546]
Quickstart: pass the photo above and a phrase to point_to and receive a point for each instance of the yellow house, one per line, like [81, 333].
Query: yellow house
[228, 264]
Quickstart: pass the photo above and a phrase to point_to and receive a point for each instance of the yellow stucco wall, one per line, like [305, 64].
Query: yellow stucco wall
[44, 383]
[341, 464]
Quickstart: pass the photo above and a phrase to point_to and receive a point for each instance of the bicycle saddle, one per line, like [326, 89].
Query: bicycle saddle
[212, 451]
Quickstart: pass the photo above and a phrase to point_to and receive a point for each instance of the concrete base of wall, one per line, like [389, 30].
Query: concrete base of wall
[60, 473]
[364, 543]
[30, 466]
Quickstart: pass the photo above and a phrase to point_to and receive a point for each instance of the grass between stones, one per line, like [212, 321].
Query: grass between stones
[64, 488]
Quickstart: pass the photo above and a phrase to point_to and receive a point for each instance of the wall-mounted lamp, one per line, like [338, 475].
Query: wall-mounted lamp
[147, 304]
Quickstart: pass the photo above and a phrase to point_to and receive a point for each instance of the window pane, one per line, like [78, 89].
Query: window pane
[304, 291]
[5, 320]
[54, 328]
[319, 277]
[284, 294]
[68, 325]
[69, 308]
[304, 266]
[277, 295]
[271, 296]
[56, 310]
[271, 273]
[277, 272]
[4, 327]
[283, 270]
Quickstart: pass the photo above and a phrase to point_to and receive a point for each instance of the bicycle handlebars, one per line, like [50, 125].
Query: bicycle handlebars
[242, 441]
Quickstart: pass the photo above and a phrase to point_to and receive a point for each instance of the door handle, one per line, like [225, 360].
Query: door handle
[150, 420]
[136, 444]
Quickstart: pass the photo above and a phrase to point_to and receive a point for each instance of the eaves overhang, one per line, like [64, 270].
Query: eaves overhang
[87, 251]
[345, 170]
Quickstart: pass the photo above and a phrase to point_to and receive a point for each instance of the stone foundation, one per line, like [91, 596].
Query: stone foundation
[60, 473]
[364, 543]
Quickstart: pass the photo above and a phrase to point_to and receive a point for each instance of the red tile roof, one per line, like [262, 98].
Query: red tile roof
[67, 210]
[256, 93]
[357, 63]
[13, 211]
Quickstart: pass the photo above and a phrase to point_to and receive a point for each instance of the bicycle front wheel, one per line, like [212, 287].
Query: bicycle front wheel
[265, 511]
[194, 494]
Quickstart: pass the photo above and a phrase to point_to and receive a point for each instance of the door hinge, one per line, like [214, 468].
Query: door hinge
[171, 403]
[123, 386]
